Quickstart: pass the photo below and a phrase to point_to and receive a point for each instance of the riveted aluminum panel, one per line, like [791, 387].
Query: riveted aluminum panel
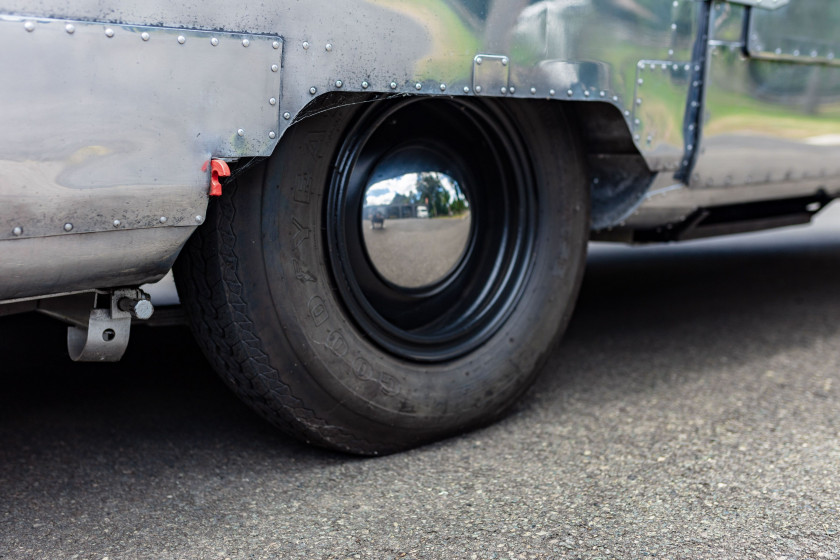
[766, 122]
[584, 50]
[62, 264]
[662, 87]
[802, 32]
[108, 126]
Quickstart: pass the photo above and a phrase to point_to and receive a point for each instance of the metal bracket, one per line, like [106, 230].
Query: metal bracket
[491, 74]
[106, 336]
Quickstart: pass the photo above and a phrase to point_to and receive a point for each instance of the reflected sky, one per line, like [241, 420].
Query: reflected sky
[383, 192]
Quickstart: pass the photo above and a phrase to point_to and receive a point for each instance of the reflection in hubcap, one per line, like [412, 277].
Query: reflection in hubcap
[415, 219]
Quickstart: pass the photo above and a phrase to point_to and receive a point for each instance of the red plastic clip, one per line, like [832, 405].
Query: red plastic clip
[218, 168]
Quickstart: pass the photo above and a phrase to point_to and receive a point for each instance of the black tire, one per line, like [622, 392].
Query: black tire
[270, 283]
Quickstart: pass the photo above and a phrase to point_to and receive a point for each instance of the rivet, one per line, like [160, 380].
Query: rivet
[690, 147]
[182, 39]
[478, 89]
[305, 45]
[246, 43]
[586, 93]
[675, 4]
[70, 28]
[687, 67]
[272, 135]
[339, 83]
[504, 62]
[109, 32]
[570, 93]
[162, 219]
[68, 226]
[17, 230]
[830, 56]
[615, 98]
[676, 67]
[393, 85]
[551, 92]
[796, 52]
[144, 36]
[418, 85]
[670, 52]
[640, 81]
[479, 60]
[626, 113]
[199, 219]
[240, 132]
[29, 26]
[442, 87]
[287, 115]
[466, 89]
[512, 89]
[602, 93]
[503, 90]
[641, 65]
[673, 27]
[813, 54]
[778, 51]
[639, 101]
[276, 45]
[214, 42]
[313, 90]
[272, 101]
[636, 137]
[533, 90]
[328, 47]
[274, 68]
[117, 223]
[365, 85]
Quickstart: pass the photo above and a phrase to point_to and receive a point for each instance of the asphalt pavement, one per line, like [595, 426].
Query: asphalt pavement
[691, 411]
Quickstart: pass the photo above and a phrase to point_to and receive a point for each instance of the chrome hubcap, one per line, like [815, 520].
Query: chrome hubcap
[431, 219]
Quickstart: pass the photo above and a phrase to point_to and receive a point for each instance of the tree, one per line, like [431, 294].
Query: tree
[430, 191]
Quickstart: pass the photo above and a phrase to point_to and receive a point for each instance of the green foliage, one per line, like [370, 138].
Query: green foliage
[458, 206]
[431, 192]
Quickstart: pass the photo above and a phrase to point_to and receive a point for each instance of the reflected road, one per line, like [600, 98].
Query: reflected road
[415, 252]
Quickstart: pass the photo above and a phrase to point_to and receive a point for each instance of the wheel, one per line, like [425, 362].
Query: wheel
[376, 340]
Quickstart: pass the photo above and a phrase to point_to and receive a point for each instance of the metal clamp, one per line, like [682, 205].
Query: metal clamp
[106, 336]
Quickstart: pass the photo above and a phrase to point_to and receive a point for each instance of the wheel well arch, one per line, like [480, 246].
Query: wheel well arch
[618, 175]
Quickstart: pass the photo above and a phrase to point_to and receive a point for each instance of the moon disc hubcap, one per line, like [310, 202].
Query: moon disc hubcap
[430, 224]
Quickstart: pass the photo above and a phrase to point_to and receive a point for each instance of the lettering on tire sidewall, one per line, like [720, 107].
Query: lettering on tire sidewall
[348, 365]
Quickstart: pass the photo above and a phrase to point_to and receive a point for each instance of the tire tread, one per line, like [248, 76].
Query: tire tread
[208, 270]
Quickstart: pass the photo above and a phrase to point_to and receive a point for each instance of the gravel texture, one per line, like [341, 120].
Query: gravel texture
[692, 411]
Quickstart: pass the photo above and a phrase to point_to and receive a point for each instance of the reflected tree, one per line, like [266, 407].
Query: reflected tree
[431, 192]
[400, 200]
